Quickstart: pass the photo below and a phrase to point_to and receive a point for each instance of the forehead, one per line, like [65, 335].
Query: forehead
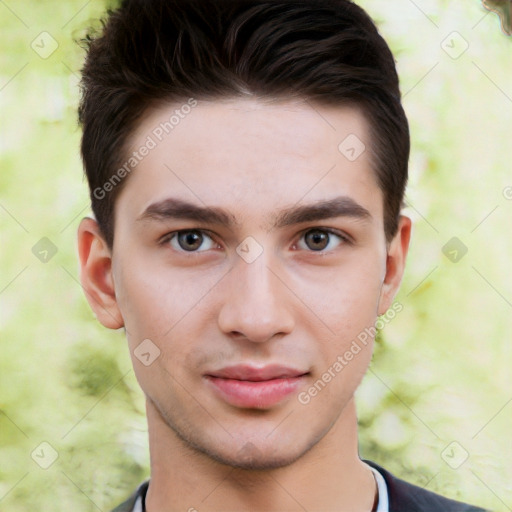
[250, 154]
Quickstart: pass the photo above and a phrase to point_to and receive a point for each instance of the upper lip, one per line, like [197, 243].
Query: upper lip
[257, 373]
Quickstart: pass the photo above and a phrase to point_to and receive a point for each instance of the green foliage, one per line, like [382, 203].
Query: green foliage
[92, 371]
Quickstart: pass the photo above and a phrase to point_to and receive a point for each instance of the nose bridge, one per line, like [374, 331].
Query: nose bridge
[257, 280]
[256, 302]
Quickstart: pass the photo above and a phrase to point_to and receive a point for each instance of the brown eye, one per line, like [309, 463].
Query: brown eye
[317, 240]
[191, 240]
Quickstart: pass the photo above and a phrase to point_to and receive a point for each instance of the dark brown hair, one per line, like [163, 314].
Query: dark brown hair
[327, 51]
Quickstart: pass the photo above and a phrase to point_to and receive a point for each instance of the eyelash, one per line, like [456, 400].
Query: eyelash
[169, 236]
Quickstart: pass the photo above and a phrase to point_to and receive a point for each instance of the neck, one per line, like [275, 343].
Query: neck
[330, 476]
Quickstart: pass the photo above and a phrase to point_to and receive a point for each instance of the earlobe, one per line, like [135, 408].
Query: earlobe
[96, 274]
[395, 264]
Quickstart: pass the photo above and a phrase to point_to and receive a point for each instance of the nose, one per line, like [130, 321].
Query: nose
[257, 304]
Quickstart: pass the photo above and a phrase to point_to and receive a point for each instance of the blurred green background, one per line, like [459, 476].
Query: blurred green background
[435, 406]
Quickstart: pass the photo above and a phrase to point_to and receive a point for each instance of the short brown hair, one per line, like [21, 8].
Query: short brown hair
[328, 51]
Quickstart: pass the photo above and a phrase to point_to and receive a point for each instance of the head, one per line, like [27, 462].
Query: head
[247, 162]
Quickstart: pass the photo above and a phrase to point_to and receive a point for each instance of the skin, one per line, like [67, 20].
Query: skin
[209, 309]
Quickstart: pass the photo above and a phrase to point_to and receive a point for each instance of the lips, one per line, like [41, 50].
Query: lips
[253, 387]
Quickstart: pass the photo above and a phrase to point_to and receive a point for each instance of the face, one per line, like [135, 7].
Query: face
[250, 250]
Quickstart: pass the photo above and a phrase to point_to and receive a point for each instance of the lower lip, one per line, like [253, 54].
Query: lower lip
[255, 395]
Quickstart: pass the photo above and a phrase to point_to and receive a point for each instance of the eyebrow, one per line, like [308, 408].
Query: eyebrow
[173, 208]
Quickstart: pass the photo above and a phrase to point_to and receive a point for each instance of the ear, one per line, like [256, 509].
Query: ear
[395, 264]
[96, 274]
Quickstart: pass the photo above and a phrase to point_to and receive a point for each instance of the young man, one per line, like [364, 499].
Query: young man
[247, 163]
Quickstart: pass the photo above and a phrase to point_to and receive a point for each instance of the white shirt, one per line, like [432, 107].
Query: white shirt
[138, 505]
[382, 490]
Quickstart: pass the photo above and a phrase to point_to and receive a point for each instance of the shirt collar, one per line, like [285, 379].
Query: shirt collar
[382, 491]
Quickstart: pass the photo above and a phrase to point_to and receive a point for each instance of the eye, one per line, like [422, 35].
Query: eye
[191, 240]
[321, 240]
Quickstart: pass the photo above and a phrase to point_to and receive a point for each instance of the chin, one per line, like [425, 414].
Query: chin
[246, 448]
[253, 459]
[250, 457]
[256, 455]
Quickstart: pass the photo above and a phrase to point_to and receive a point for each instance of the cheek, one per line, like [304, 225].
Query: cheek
[157, 306]
[137, 296]
[343, 299]
[156, 299]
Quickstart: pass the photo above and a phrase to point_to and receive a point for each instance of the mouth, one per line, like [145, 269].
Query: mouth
[252, 387]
